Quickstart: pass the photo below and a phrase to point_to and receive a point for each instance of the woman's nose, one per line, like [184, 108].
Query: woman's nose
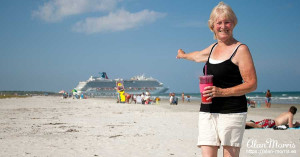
[223, 25]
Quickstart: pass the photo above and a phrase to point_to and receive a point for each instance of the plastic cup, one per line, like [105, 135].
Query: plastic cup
[204, 81]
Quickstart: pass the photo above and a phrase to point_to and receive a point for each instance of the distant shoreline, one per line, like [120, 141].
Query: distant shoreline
[291, 97]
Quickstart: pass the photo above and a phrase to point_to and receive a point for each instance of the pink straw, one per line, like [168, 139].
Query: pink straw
[205, 69]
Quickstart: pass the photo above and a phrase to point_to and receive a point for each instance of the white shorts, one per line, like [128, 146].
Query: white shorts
[217, 129]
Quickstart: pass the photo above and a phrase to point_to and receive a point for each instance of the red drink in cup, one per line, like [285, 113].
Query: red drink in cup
[206, 80]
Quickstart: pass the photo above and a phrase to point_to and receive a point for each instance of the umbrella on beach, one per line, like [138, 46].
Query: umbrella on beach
[74, 90]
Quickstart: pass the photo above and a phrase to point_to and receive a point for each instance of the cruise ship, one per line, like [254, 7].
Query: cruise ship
[103, 86]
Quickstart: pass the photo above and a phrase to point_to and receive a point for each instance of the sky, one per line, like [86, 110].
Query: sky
[50, 45]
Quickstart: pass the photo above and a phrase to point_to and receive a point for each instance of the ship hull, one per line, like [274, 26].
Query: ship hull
[95, 93]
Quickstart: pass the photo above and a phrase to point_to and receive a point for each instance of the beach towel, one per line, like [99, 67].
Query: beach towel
[284, 127]
[281, 127]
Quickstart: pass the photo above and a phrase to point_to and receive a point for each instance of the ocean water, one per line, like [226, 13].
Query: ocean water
[258, 97]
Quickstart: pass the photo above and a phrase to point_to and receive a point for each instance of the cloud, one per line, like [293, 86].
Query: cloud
[116, 21]
[56, 10]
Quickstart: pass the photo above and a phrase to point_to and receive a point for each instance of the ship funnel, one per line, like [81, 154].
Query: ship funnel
[103, 75]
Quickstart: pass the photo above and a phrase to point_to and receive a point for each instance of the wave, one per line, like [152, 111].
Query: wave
[284, 98]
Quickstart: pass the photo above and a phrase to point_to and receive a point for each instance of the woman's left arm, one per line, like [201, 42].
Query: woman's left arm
[243, 60]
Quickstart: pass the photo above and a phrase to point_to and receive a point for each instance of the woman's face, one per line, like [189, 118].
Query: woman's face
[223, 28]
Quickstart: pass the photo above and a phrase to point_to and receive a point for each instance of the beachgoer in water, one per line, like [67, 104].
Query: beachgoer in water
[231, 64]
[268, 99]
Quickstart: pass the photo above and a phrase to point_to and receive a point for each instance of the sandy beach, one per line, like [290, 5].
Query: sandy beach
[52, 126]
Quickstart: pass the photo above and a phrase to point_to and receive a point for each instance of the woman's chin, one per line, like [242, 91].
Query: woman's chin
[224, 37]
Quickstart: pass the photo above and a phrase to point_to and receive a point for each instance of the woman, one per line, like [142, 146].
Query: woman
[230, 61]
[268, 99]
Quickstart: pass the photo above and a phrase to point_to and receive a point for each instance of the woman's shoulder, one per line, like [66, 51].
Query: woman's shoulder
[212, 45]
[242, 47]
[242, 53]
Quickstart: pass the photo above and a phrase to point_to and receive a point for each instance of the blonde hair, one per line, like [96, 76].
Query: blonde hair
[221, 10]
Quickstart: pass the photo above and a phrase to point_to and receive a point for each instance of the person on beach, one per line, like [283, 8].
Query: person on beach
[143, 98]
[147, 98]
[127, 97]
[188, 98]
[232, 67]
[173, 99]
[182, 97]
[268, 99]
[157, 99]
[285, 118]
[170, 98]
[251, 103]
[133, 98]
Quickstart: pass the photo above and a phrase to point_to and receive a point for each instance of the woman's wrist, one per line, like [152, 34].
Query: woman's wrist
[225, 92]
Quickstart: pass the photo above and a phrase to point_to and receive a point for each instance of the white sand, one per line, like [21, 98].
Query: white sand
[52, 126]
